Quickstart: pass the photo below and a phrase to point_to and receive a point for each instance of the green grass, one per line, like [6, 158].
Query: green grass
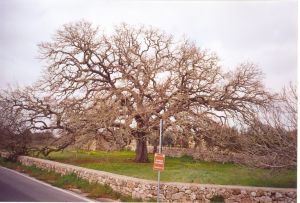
[183, 169]
[94, 190]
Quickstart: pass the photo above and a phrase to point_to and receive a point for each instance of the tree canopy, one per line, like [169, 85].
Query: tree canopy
[123, 83]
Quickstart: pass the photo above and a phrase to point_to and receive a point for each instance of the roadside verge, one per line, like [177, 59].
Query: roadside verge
[146, 189]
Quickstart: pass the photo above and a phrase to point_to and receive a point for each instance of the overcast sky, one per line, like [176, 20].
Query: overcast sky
[263, 32]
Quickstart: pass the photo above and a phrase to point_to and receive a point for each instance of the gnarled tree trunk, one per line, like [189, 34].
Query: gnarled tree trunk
[141, 150]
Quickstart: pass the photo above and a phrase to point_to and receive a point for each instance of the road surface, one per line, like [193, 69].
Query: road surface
[17, 187]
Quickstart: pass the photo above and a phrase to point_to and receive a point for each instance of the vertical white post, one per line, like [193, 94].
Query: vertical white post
[158, 179]
[160, 136]
[159, 151]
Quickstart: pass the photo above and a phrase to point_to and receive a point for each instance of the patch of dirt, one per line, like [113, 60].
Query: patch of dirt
[107, 200]
[100, 199]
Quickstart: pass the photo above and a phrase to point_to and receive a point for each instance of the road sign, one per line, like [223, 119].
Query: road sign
[159, 162]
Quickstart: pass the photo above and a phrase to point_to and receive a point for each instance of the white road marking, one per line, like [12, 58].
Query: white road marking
[46, 184]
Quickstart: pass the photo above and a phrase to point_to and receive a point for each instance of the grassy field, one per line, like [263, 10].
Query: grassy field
[70, 181]
[183, 169]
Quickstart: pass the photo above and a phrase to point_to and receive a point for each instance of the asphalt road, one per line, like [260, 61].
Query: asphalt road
[17, 187]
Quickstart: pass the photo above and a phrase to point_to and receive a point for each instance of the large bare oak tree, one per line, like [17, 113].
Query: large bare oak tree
[146, 75]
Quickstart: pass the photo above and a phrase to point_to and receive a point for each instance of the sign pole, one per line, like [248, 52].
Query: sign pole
[159, 151]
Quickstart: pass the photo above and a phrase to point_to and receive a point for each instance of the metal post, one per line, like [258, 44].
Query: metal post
[159, 151]
[160, 135]
[158, 181]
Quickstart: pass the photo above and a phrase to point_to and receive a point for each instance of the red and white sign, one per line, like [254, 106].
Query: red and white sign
[159, 162]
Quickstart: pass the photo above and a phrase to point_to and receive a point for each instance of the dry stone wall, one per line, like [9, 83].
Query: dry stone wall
[170, 192]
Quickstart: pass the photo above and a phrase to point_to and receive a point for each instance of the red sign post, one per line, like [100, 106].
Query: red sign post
[159, 159]
[159, 162]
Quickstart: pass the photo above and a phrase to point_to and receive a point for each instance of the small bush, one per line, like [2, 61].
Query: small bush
[152, 199]
[187, 158]
[217, 198]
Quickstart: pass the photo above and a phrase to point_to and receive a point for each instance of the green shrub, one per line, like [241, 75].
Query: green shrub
[217, 199]
[187, 158]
